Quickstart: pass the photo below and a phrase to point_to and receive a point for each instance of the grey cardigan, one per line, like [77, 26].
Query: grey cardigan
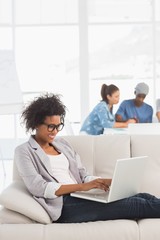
[34, 168]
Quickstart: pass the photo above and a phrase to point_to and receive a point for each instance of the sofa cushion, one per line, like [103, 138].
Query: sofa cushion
[149, 229]
[107, 149]
[148, 145]
[84, 146]
[8, 216]
[102, 230]
[17, 198]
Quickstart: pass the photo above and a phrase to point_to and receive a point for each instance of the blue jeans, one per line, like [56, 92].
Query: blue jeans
[142, 205]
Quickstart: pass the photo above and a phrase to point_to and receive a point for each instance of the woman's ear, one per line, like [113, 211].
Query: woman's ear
[108, 97]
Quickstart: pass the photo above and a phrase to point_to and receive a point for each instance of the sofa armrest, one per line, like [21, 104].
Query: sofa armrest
[17, 198]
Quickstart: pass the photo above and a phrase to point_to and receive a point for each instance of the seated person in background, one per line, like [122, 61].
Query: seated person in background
[102, 116]
[158, 109]
[136, 108]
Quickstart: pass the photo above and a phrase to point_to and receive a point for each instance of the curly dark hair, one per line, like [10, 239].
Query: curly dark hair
[41, 107]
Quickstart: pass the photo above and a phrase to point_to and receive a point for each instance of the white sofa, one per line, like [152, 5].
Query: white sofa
[21, 217]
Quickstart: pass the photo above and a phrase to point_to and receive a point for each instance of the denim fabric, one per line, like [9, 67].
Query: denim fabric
[98, 119]
[76, 210]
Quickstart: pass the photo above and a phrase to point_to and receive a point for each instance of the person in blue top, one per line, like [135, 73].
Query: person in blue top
[102, 116]
[136, 108]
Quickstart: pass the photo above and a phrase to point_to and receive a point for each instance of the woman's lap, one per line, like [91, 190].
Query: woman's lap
[80, 210]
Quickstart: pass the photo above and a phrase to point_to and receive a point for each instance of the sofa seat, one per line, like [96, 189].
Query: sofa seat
[111, 230]
[149, 229]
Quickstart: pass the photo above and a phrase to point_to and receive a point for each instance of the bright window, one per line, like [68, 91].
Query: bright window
[48, 37]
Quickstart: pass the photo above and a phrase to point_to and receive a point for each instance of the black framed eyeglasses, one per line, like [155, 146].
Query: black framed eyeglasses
[52, 127]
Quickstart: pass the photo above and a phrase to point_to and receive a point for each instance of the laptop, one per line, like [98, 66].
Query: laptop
[125, 183]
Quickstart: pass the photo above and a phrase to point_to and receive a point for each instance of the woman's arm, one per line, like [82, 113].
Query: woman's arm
[99, 183]
[124, 124]
[106, 122]
[28, 171]
[158, 116]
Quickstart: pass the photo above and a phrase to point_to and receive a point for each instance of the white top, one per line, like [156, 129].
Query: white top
[60, 168]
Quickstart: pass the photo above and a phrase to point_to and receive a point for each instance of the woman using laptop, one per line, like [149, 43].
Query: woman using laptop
[51, 170]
